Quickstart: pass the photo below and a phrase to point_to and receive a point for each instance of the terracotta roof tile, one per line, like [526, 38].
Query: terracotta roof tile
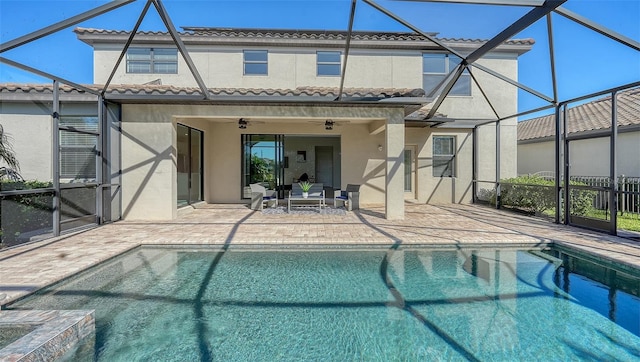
[154, 89]
[244, 33]
[595, 115]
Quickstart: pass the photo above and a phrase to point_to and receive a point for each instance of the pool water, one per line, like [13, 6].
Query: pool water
[336, 305]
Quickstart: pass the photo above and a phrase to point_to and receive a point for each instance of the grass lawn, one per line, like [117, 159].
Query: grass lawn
[630, 222]
[627, 221]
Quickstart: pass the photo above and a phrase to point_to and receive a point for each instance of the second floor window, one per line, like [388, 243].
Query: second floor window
[436, 66]
[152, 60]
[255, 62]
[328, 63]
[444, 156]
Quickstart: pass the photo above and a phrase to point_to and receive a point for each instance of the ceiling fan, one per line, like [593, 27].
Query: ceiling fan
[243, 123]
[329, 123]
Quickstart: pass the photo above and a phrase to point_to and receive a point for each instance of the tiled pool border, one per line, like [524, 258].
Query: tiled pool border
[570, 248]
[56, 333]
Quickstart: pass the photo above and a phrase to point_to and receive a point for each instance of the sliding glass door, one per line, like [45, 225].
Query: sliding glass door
[262, 157]
[189, 145]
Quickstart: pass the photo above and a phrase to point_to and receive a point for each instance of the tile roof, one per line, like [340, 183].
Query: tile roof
[195, 33]
[155, 89]
[331, 34]
[592, 116]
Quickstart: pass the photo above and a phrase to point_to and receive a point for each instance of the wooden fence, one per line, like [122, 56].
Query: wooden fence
[628, 191]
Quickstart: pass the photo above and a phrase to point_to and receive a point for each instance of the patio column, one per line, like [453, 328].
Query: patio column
[394, 166]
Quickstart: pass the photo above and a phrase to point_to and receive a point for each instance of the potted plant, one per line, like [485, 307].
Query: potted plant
[305, 186]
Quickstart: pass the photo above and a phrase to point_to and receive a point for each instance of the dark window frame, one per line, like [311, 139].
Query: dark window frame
[327, 64]
[450, 61]
[153, 61]
[444, 158]
[246, 62]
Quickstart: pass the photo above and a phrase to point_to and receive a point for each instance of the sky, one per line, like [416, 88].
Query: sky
[586, 61]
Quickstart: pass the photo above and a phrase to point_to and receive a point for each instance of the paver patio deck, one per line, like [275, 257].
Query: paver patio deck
[30, 267]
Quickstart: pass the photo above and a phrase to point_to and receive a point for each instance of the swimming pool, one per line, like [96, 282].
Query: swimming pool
[353, 304]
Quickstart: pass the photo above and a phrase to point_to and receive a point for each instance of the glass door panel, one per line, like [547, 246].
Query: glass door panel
[183, 165]
[409, 173]
[189, 165]
[196, 166]
[408, 182]
[262, 162]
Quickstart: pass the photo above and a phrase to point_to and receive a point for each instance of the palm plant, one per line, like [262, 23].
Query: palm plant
[305, 186]
[6, 151]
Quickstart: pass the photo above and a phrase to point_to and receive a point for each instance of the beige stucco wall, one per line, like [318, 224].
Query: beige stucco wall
[149, 189]
[589, 157]
[442, 190]
[361, 161]
[289, 68]
[357, 153]
[502, 95]
[29, 126]
[308, 144]
[536, 157]
[148, 148]
[30, 136]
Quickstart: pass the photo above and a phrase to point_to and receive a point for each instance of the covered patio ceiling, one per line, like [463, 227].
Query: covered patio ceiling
[426, 105]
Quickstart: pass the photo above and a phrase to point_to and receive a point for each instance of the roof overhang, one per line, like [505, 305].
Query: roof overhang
[151, 94]
[446, 122]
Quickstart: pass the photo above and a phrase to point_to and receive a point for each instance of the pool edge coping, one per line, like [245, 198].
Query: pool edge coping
[56, 333]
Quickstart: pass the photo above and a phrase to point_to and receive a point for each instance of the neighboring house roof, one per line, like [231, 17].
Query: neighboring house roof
[589, 117]
[283, 37]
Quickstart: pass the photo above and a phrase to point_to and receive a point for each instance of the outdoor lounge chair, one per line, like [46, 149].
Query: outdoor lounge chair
[350, 197]
[261, 196]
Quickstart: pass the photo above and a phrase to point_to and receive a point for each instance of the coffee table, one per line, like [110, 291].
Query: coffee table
[305, 200]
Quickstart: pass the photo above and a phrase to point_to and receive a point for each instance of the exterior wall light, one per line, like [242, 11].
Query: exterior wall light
[380, 148]
[242, 124]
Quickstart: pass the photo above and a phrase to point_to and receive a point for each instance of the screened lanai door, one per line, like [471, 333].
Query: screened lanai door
[262, 162]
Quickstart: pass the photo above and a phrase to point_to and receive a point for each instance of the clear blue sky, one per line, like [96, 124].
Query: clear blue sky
[586, 61]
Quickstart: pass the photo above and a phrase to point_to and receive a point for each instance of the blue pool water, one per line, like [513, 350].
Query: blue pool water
[156, 304]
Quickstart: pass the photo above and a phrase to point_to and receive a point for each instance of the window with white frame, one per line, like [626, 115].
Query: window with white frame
[436, 66]
[152, 60]
[328, 63]
[255, 62]
[444, 156]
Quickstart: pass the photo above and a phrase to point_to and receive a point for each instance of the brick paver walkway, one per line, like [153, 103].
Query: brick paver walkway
[27, 268]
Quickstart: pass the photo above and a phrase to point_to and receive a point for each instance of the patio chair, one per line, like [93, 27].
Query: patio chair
[350, 197]
[261, 196]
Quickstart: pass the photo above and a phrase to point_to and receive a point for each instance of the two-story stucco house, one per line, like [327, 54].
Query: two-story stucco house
[280, 104]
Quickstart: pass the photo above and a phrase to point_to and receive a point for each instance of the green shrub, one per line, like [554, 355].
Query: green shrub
[536, 194]
[581, 200]
[24, 213]
[530, 193]
[24, 185]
